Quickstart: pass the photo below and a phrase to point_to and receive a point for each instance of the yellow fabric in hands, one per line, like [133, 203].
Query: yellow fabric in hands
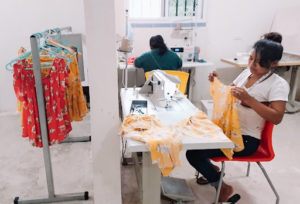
[225, 115]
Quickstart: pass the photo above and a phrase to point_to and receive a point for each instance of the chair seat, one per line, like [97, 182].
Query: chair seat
[264, 152]
[259, 156]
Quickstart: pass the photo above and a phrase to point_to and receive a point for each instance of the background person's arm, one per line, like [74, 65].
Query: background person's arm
[179, 63]
[139, 61]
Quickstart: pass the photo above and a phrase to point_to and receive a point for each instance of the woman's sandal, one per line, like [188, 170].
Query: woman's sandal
[232, 200]
[203, 181]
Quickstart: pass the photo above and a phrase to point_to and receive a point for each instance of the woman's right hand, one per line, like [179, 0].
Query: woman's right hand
[212, 75]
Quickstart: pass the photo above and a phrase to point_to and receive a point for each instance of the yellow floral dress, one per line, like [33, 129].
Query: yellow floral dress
[76, 103]
[225, 115]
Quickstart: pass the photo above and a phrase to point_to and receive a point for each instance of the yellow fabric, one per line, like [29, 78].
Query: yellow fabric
[20, 109]
[183, 76]
[19, 106]
[199, 125]
[165, 149]
[77, 107]
[165, 142]
[225, 115]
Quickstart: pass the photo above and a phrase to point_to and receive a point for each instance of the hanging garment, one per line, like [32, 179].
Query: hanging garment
[225, 115]
[54, 85]
[76, 102]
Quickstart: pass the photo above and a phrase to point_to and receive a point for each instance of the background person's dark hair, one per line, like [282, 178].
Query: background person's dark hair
[269, 52]
[274, 36]
[157, 42]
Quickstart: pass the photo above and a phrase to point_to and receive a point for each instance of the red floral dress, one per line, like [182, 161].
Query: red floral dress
[54, 85]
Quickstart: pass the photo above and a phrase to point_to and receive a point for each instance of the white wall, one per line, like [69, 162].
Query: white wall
[232, 26]
[19, 19]
[100, 27]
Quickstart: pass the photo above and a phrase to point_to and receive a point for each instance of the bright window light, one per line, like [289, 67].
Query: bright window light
[144, 8]
[139, 9]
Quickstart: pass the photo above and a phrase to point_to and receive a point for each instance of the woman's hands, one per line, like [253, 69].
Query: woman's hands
[241, 94]
[212, 75]
[273, 113]
[237, 92]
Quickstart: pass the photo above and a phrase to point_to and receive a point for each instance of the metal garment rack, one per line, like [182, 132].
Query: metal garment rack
[52, 197]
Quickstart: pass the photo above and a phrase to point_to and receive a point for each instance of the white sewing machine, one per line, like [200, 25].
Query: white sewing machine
[161, 87]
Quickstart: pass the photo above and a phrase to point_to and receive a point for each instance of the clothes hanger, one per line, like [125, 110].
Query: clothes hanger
[68, 44]
[9, 66]
[53, 49]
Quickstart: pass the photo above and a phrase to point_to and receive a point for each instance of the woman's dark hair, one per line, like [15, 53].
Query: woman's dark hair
[269, 52]
[157, 42]
[274, 36]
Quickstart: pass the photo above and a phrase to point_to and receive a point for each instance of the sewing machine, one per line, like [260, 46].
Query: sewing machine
[187, 54]
[161, 87]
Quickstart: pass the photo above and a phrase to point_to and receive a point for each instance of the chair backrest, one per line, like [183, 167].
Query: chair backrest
[183, 76]
[266, 146]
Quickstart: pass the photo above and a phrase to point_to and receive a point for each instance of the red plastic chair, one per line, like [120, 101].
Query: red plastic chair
[264, 153]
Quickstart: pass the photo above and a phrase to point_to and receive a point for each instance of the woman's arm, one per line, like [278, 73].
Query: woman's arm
[138, 62]
[273, 113]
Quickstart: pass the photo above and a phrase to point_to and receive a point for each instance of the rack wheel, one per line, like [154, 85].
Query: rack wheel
[86, 195]
[124, 162]
[16, 201]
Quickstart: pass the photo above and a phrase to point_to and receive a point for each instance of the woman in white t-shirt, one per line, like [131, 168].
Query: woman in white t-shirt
[263, 95]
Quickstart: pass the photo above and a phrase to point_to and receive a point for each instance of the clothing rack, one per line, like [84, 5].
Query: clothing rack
[52, 197]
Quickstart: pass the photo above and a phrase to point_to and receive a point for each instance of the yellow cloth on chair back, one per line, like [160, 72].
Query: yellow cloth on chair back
[183, 76]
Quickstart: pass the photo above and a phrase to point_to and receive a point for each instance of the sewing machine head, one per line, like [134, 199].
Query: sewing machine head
[161, 87]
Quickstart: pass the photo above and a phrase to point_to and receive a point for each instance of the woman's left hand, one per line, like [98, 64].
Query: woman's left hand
[240, 94]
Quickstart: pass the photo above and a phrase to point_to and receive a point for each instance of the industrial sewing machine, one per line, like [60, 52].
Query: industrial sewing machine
[161, 87]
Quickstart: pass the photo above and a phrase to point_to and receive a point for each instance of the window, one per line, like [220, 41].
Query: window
[150, 9]
[145, 8]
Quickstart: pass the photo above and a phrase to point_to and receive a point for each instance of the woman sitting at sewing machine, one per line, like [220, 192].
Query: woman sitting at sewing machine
[255, 87]
[160, 57]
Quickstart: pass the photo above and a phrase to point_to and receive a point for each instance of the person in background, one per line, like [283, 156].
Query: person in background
[273, 36]
[160, 57]
[263, 95]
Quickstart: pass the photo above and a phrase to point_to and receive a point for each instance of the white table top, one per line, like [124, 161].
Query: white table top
[181, 109]
[286, 60]
[184, 65]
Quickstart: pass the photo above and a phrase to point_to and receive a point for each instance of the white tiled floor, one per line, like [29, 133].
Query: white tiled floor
[22, 169]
